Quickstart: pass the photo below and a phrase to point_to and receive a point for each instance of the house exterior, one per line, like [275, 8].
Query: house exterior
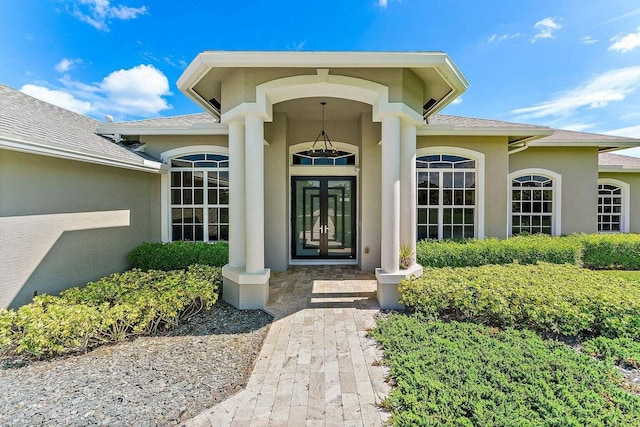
[255, 169]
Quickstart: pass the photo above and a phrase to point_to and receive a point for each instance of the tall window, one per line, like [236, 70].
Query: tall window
[200, 197]
[446, 197]
[532, 205]
[609, 208]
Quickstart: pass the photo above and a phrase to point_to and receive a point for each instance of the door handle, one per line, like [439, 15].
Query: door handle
[324, 229]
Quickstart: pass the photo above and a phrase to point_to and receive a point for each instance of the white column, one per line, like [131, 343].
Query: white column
[390, 195]
[236, 194]
[408, 189]
[254, 192]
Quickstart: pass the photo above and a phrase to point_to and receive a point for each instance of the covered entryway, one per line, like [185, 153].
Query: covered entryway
[323, 218]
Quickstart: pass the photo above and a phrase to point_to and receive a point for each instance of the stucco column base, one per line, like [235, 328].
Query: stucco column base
[244, 290]
[387, 294]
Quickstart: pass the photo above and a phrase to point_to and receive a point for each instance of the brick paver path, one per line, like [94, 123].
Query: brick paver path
[317, 367]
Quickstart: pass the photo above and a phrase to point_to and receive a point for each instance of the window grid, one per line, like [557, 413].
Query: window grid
[342, 158]
[609, 208]
[446, 197]
[200, 197]
[531, 205]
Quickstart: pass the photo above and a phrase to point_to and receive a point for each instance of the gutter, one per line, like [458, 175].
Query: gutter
[70, 154]
[523, 147]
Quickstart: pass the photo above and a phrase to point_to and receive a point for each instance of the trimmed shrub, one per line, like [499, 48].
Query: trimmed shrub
[610, 251]
[115, 307]
[463, 374]
[549, 298]
[522, 249]
[178, 255]
[6, 324]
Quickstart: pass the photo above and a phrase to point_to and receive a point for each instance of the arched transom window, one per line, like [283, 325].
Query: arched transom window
[609, 208]
[200, 197]
[307, 158]
[532, 204]
[446, 197]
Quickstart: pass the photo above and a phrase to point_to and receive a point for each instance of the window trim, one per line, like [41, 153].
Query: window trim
[480, 178]
[626, 198]
[165, 181]
[556, 209]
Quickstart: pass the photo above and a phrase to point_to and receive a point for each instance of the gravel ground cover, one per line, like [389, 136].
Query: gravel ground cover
[158, 380]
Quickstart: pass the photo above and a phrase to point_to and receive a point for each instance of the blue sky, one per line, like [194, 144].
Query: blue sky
[572, 64]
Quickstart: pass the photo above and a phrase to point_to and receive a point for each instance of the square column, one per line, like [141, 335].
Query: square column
[398, 187]
[245, 280]
[237, 194]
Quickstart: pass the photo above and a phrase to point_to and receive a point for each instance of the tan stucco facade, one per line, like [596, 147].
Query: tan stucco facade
[578, 168]
[64, 223]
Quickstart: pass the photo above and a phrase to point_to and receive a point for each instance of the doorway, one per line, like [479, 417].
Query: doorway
[323, 218]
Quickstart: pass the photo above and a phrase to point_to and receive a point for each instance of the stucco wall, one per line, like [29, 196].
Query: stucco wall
[63, 222]
[496, 166]
[633, 179]
[158, 144]
[579, 170]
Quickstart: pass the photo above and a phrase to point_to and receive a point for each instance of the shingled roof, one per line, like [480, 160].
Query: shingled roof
[29, 124]
[612, 161]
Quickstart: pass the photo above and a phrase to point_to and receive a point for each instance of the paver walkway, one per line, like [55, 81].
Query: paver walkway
[317, 367]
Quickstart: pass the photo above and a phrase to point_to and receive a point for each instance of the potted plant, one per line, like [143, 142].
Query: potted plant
[406, 256]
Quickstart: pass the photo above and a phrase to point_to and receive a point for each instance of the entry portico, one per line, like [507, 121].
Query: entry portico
[270, 103]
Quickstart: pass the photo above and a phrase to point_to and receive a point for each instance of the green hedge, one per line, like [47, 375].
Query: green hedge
[611, 251]
[115, 307]
[523, 249]
[463, 374]
[549, 298]
[178, 255]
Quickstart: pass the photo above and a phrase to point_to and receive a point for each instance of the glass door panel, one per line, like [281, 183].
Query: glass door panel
[323, 218]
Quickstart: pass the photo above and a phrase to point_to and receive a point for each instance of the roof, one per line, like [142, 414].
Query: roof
[189, 124]
[617, 162]
[608, 142]
[30, 125]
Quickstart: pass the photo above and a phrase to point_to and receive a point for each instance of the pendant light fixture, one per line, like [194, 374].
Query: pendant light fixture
[324, 146]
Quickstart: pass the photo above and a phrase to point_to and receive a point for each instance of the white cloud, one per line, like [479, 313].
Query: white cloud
[503, 37]
[99, 13]
[588, 40]
[613, 85]
[140, 91]
[629, 132]
[57, 97]
[626, 43]
[456, 101]
[578, 127]
[546, 27]
[617, 18]
[66, 64]
[383, 3]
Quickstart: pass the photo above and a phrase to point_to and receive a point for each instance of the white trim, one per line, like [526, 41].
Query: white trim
[626, 200]
[165, 183]
[133, 129]
[480, 178]
[31, 147]
[556, 210]
[442, 130]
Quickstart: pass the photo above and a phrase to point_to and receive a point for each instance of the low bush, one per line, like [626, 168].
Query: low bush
[621, 351]
[522, 249]
[466, 374]
[548, 298]
[115, 307]
[610, 251]
[178, 255]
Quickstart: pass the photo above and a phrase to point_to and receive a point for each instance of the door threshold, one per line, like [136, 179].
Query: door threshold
[323, 262]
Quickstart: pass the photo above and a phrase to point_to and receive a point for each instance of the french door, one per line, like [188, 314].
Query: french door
[323, 217]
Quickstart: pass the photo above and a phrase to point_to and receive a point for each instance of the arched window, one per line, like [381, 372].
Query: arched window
[447, 196]
[613, 206]
[199, 197]
[534, 202]
[307, 158]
